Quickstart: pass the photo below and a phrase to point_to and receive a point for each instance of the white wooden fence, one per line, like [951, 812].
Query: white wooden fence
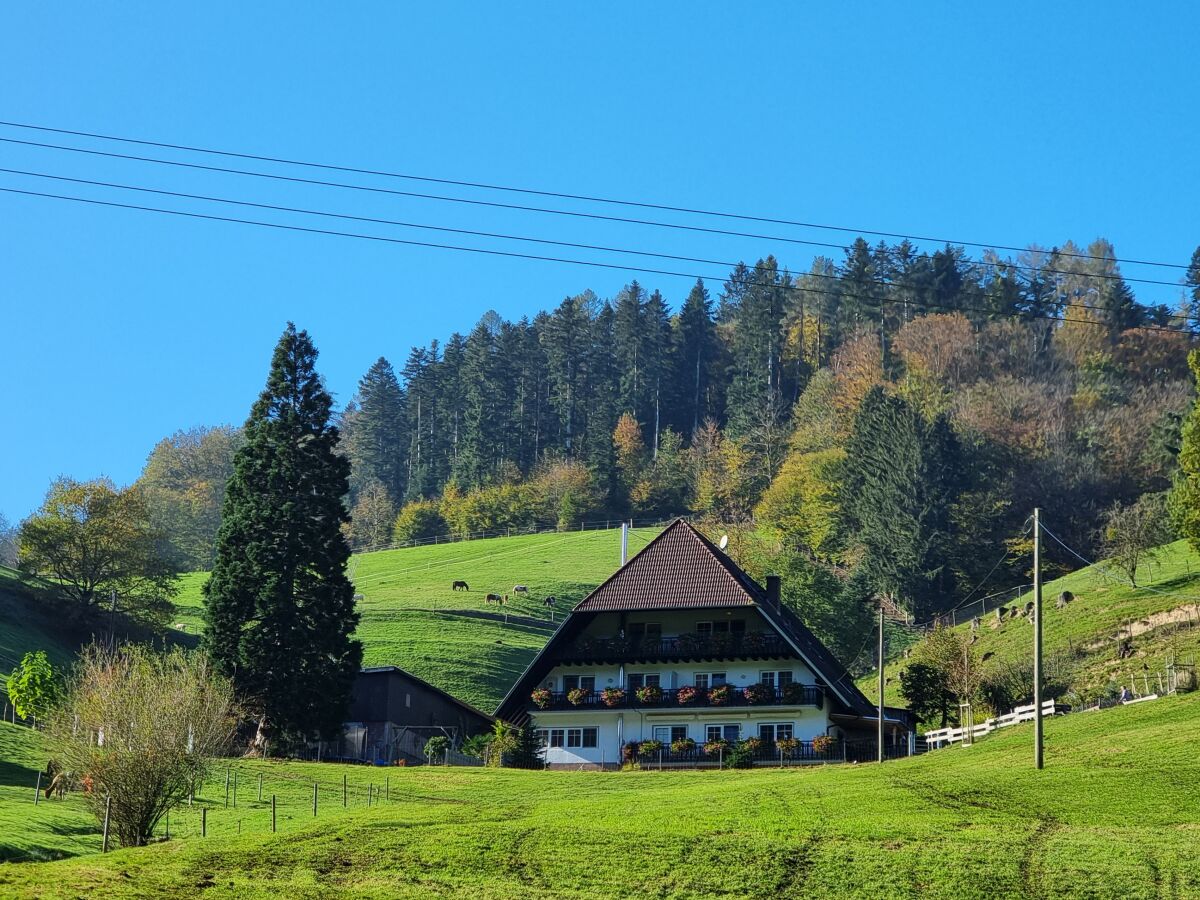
[943, 736]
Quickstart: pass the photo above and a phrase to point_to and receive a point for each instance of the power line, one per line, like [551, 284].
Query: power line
[536, 209]
[871, 301]
[445, 229]
[565, 196]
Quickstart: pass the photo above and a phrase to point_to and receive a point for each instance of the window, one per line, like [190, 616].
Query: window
[570, 682]
[708, 680]
[770, 732]
[722, 626]
[670, 733]
[644, 678]
[648, 630]
[718, 732]
[775, 680]
[737, 626]
[408, 700]
[568, 737]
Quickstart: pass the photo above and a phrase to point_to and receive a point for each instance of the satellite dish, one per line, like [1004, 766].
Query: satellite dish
[724, 541]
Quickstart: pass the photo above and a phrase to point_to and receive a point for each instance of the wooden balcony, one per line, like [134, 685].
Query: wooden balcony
[686, 698]
[692, 647]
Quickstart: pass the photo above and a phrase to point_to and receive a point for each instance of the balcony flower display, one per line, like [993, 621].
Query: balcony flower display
[758, 693]
[718, 745]
[792, 692]
[822, 743]
[752, 744]
[578, 696]
[612, 696]
[685, 695]
[720, 695]
[648, 748]
[649, 694]
[788, 746]
[683, 745]
[542, 697]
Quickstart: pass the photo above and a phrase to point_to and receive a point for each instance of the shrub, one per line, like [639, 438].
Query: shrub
[720, 695]
[630, 751]
[542, 697]
[649, 694]
[612, 696]
[822, 743]
[685, 695]
[34, 687]
[436, 746]
[683, 745]
[741, 754]
[649, 748]
[477, 745]
[418, 521]
[578, 696]
[144, 728]
[758, 693]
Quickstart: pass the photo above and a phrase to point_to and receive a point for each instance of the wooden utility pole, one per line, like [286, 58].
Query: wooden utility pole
[879, 732]
[1037, 638]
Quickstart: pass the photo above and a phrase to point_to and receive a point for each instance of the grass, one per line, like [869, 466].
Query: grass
[1086, 628]
[27, 623]
[1114, 815]
[413, 619]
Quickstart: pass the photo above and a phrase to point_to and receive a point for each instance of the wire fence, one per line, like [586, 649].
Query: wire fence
[535, 528]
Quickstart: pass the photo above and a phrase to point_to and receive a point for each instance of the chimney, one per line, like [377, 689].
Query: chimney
[773, 592]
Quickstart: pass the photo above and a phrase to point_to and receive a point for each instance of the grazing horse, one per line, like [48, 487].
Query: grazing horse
[550, 601]
[520, 589]
[460, 586]
[493, 598]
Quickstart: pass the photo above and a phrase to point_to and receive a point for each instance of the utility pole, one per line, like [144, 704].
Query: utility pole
[879, 733]
[1037, 638]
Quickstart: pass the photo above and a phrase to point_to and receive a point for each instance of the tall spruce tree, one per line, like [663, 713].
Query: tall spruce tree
[695, 355]
[279, 607]
[375, 434]
[899, 482]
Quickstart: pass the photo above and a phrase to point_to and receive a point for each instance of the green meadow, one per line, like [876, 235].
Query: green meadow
[1115, 814]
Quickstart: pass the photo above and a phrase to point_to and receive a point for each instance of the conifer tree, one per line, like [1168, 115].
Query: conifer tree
[280, 609]
[375, 434]
[694, 352]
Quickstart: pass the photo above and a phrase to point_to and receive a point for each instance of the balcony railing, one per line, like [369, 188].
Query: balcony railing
[692, 646]
[725, 696]
[765, 754]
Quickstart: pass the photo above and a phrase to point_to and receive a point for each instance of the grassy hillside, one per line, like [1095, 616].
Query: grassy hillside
[1114, 815]
[28, 621]
[1083, 633]
[411, 617]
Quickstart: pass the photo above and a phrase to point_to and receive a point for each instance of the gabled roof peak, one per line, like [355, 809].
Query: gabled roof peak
[678, 569]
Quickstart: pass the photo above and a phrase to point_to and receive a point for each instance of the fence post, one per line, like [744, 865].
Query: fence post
[260, 787]
[721, 758]
[168, 823]
[204, 821]
[314, 798]
[37, 789]
[235, 790]
[107, 812]
[343, 789]
[226, 787]
[387, 788]
[272, 813]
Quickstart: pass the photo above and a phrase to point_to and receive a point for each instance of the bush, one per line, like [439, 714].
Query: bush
[741, 755]
[436, 746]
[34, 687]
[144, 728]
[418, 521]
[477, 745]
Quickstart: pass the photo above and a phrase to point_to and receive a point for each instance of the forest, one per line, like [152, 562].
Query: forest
[882, 423]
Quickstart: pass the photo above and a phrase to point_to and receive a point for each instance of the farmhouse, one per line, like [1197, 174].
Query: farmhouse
[393, 713]
[682, 647]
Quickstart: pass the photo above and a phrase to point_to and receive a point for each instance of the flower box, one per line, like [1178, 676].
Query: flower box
[649, 748]
[649, 694]
[822, 743]
[542, 697]
[686, 695]
[578, 696]
[787, 746]
[758, 693]
[683, 745]
[720, 695]
[613, 696]
[712, 748]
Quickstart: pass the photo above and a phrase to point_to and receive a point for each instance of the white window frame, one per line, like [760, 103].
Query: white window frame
[670, 730]
[775, 726]
[654, 678]
[708, 679]
[721, 729]
[579, 682]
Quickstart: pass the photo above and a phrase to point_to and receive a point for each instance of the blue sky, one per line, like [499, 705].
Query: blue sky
[1039, 123]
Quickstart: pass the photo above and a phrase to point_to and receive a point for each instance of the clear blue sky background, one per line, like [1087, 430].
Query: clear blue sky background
[1031, 123]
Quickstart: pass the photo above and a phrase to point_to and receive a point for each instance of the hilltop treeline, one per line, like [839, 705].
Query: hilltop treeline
[893, 415]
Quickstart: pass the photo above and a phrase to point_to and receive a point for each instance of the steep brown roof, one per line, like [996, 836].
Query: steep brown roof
[679, 569]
